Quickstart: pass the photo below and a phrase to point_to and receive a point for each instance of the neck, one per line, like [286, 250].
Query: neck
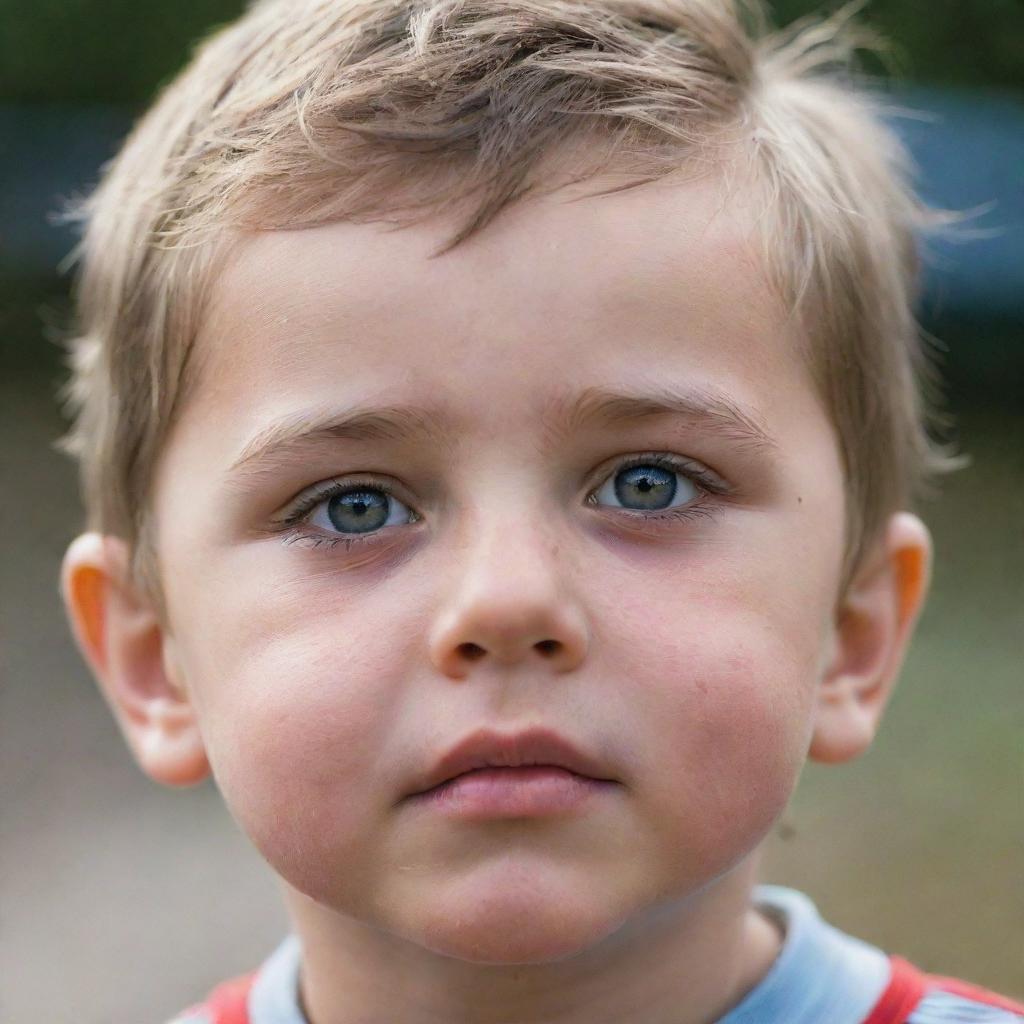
[687, 962]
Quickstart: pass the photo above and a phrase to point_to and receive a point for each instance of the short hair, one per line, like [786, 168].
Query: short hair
[308, 111]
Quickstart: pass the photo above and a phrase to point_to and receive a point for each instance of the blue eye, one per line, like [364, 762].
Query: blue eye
[652, 486]
[647, 487]
[358, 510]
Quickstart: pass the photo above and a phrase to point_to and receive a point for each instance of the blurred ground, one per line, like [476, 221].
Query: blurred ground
[124, 901]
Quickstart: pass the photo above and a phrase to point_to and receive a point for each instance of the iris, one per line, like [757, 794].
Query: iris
[358, 511]
[650, 487]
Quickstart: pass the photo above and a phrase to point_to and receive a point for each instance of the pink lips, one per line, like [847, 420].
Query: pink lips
[488, 775]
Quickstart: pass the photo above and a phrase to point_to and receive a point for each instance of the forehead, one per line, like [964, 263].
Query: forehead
[562, 292]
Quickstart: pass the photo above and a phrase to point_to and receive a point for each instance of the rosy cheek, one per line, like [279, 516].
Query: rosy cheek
[295, 736]
[731, 706]
[753, 744]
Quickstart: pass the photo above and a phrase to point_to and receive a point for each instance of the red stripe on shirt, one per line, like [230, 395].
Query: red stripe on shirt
[905, 990]
[229, 1002]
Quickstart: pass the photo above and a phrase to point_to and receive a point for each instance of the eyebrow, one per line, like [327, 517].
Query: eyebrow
[301, 430]
[707, 408]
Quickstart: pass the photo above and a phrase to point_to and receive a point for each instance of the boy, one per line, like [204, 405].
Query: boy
[497, 424]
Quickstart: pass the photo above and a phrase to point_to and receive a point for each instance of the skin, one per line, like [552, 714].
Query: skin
[701, 659]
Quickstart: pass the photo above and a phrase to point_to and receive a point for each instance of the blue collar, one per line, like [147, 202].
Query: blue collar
[821, 974]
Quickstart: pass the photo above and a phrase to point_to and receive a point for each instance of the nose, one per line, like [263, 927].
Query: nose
[511, 604]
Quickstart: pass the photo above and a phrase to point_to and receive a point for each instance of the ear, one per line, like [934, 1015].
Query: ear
[120, 635]
[874, 622]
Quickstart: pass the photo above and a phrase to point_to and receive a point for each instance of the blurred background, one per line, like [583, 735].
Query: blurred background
[124, 901]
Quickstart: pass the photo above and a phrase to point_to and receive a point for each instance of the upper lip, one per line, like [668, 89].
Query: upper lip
[486, 748]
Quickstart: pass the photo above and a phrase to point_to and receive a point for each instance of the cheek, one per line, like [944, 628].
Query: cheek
[732, 747]
[297, 712]
[722, 684]
[740, 737]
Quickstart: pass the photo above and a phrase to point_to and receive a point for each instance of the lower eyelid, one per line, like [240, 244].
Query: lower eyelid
[700, 507]
[630, 520]
[302, 538]
[304, 535]
[656, 527]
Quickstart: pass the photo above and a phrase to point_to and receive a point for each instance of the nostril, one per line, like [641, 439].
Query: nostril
[471, 651]
[548, 646]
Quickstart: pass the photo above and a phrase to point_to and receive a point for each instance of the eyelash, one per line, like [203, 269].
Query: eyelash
[706, 482]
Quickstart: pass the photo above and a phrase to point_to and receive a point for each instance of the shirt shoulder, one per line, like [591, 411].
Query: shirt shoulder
[951, 1001]
[824, 975]
[914, 997]
[228, 1003]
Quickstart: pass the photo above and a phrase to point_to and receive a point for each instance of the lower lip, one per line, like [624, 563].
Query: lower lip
[527, 792]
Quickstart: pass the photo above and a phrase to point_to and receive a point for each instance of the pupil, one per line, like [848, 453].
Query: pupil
[358, 511]
[650, 486]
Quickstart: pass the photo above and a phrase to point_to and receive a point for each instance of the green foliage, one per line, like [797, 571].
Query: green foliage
[943, 42]
[83, 51]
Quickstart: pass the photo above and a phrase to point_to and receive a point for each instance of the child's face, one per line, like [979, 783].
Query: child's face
[682, 652]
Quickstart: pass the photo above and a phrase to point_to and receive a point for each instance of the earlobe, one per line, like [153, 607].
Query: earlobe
[119, 632]
[871, 634]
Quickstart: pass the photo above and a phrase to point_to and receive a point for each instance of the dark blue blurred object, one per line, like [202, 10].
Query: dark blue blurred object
[969, 151]
[47, 155]
[969, 148]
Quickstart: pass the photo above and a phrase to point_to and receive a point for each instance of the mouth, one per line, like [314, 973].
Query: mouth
[489, 757]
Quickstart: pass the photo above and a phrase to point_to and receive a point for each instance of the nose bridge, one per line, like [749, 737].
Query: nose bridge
[511, 598]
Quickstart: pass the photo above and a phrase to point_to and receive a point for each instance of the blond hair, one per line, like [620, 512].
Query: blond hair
[306, 111]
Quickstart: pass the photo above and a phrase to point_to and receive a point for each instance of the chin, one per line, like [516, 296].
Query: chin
[516, 923]
[494, 942]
